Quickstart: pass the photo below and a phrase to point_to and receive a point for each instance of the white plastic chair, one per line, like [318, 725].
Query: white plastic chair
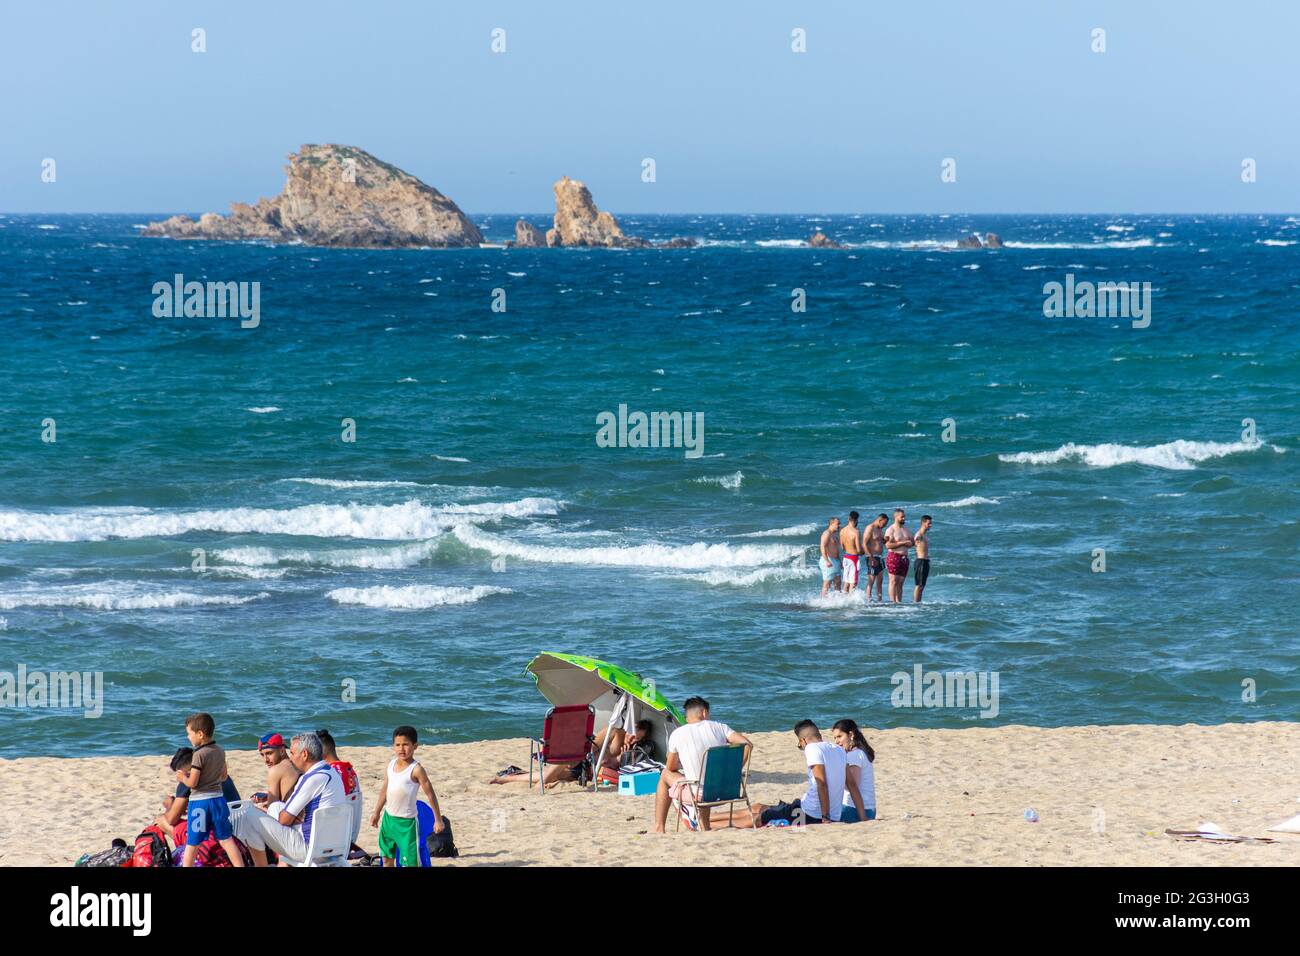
[331, 837]
[357, 803]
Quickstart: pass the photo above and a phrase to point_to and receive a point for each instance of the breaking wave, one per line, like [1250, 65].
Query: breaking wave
[1175, 455]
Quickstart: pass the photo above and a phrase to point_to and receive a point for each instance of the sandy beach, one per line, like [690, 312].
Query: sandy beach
[1105, 796]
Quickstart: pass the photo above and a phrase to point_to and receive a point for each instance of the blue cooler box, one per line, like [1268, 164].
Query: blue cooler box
[638, 784]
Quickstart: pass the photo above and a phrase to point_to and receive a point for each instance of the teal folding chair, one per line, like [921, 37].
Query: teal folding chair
[722, 780]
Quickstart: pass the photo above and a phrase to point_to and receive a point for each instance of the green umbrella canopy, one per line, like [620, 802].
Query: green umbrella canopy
[566, 679]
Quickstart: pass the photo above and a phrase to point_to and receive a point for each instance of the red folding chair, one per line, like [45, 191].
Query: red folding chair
[566, 738]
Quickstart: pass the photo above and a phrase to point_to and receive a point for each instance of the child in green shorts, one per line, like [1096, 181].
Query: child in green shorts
[399, 831]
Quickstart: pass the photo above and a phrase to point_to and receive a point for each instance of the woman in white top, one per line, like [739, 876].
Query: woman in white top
[860, 777]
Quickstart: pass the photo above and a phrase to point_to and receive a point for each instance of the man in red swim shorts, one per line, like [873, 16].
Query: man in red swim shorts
[897, 540]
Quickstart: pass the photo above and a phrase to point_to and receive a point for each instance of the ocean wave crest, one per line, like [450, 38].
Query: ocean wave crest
[698, 556]
[409, 520]
[413, 597]
[1177, 455]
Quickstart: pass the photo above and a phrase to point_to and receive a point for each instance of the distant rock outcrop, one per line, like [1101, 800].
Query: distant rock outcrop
[990, 240]
[529, 236]
[819, 240]
[579, 223]
[337, 196]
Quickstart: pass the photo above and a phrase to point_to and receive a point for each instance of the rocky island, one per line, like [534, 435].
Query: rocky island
[579, 223]
[338, 196]
[819, 240]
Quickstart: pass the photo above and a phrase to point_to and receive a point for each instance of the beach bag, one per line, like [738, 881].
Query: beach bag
[113, 856]
[151, 848]
[442, 844]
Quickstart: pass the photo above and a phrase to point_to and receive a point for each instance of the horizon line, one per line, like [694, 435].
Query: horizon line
[1104, 212]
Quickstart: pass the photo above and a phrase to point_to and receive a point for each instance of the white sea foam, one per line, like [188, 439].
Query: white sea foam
[1106, 244]
[966, 502]
[1276, 242]
[400, 522]
[121, 597]
[245, 571]
[793, 531]
[687, 557]
[1175, 455]
[450, 458]
[355, 483]
[263, 409]
[383, 558]
[962, 481]
[745, 579]
[413, 597]
[730, 482]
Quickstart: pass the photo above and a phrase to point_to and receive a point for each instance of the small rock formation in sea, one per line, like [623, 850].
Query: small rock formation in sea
[579, 223]
[529, 236]
[990, 240]
[819, 240]
[337, 196]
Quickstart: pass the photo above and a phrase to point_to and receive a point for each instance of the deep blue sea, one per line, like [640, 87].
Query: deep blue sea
[475, 521]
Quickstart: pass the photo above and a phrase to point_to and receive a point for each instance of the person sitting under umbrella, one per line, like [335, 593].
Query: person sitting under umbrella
[620, 743]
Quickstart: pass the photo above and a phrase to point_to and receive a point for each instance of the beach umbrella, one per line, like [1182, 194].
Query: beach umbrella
[618, 694]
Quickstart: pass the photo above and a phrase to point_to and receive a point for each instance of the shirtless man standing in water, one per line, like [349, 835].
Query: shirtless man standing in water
[922, 562]
[829, 560]
[873, 547]
[851, 542]
[898, 540]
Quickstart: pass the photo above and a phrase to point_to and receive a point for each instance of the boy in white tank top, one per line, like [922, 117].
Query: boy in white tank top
[399, 833]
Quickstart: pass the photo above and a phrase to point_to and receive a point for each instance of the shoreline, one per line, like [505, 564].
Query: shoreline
[1105, 794]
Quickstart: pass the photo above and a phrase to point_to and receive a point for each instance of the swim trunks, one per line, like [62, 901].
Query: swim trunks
[211, 815]
[850, 569]
[897, 563]
[830, 568]
[400, 836]
[922, 571]
[877, 566]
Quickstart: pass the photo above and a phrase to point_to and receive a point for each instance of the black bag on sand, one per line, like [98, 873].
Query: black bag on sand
[442, 844]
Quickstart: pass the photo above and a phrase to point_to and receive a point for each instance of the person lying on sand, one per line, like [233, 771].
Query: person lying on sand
[686, 747]
[620, 744]
[822, 801]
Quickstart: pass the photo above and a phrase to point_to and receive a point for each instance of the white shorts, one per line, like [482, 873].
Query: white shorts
[850, 569]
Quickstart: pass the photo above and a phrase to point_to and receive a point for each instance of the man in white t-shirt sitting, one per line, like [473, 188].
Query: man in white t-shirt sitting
[827, 767]
[286, 827]
[686, 747]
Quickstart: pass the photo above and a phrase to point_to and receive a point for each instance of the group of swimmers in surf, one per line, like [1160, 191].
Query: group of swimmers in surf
[875, 549]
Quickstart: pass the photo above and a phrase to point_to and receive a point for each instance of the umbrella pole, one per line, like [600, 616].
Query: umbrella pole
[600, 761]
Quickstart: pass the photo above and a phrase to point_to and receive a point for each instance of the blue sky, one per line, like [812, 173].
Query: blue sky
[735, 121]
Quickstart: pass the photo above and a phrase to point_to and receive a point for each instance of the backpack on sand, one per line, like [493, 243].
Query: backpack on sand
[442, 844]
[151, 848]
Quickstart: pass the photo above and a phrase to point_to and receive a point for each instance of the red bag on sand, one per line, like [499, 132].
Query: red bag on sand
[151, 848]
